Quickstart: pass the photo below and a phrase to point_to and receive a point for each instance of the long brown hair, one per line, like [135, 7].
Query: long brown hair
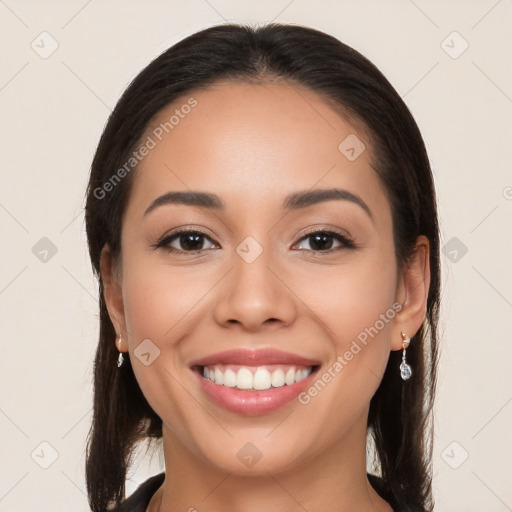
[400, 416]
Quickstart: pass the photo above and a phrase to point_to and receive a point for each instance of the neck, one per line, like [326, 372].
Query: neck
[332, 480]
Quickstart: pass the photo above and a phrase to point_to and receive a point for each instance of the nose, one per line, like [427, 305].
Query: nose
[254, 295]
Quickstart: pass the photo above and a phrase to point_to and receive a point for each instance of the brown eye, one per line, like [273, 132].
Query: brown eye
[184, 241]
[323, 241]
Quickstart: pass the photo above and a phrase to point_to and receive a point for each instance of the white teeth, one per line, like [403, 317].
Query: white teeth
[219, 376]
[244, 379]
[301, 375]
[290, 377]
[229, 378]
[260, 380]
[278, 378]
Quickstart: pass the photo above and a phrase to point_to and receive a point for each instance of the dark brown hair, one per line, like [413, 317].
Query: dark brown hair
[400, 416]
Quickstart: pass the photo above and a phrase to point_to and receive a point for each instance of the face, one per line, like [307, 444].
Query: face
[268, 284]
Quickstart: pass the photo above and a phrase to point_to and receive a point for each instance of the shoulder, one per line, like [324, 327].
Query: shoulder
[396, 504]
[139, 500]
[378, 484]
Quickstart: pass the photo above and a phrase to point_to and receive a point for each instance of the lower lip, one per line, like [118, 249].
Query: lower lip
[253, 403]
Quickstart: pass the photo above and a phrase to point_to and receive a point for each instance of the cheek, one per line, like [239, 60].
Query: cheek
[365, 301]
[349, 299]
[162, 304]
[356, 306]
[160, 301]
[357, 317]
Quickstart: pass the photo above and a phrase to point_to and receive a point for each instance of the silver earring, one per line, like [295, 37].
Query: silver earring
[120, 358]
[405, 369]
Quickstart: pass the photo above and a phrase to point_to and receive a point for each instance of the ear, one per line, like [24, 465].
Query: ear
[112, 293]
[412, 293]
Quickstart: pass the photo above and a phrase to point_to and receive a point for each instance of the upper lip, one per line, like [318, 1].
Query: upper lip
[252, 357]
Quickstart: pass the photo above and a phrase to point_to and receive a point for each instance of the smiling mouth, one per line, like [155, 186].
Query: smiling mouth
[255, 378]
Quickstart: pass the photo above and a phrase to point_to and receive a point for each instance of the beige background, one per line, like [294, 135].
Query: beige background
[52, 112]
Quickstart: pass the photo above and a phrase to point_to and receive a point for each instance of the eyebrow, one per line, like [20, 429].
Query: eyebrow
[293, 201]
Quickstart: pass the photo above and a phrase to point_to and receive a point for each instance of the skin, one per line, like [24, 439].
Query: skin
[252, 145]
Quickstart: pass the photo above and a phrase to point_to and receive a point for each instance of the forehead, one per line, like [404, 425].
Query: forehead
[256, 141]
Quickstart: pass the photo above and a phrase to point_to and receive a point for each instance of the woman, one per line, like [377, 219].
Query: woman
[262, 220]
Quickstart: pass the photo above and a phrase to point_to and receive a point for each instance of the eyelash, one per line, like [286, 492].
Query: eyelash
[347, 243]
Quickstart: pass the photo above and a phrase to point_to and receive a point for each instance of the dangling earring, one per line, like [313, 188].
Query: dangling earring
[120, 358]
[405, 369]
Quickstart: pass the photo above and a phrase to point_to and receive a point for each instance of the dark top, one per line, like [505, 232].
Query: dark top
[139, 500]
